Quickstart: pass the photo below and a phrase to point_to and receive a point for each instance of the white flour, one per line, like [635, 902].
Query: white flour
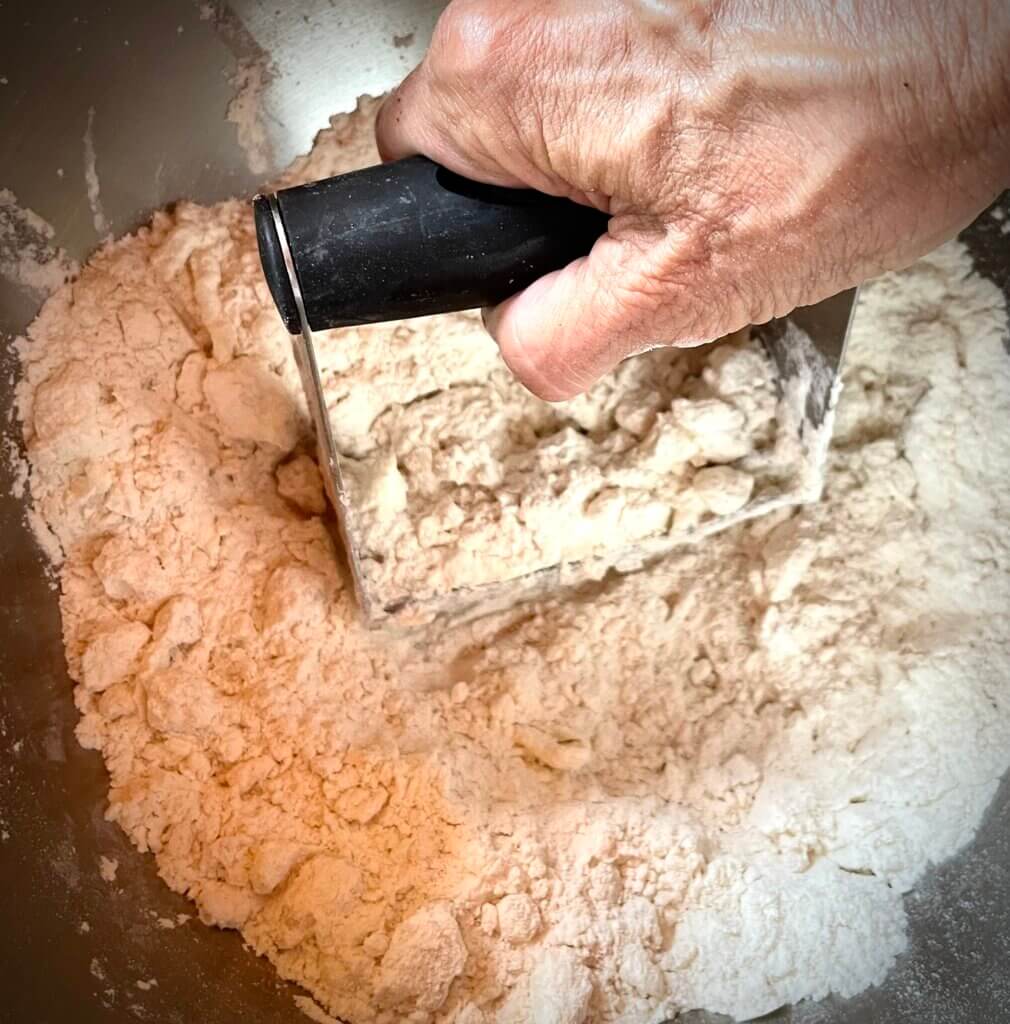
[704, 785]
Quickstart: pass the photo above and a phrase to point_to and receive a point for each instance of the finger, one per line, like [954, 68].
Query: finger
[419, 117]
[396, 130]
[567, 329]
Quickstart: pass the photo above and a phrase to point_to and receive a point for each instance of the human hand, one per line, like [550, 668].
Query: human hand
[754, 157]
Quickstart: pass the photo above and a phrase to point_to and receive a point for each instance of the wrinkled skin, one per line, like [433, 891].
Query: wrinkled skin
[755, 156]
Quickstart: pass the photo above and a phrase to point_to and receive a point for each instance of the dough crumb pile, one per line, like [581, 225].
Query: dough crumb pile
[707, 784]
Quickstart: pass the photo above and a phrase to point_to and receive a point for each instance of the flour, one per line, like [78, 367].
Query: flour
[707, 784]
[250, 82]
[91, 180]
[107, 869]
[312, 1010]
[27, 255]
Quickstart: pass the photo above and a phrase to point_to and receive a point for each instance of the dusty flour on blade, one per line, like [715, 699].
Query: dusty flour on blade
[703, 785]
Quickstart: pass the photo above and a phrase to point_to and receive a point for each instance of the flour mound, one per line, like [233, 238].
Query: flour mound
[706, 784]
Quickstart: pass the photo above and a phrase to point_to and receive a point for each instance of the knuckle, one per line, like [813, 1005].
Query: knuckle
[472, 39]
[645, 289]
[642, 295]
[661, 299]
[477, 73]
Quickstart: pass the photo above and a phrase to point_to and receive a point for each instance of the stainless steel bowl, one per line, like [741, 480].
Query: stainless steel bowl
[156, 75]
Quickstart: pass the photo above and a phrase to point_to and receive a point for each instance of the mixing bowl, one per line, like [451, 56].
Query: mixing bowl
[149, 85]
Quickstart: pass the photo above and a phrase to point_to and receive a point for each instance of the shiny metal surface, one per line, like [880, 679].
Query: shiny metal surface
[160, 97]
[827, 324]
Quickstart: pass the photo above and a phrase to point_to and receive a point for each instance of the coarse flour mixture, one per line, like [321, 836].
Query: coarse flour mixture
[707, 784]
[465, 487]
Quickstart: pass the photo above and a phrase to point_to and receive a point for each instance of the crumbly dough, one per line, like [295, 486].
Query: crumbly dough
[460, 478]
[668, 790]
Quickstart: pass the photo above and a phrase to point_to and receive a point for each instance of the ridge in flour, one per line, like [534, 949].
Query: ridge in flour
[707, 784]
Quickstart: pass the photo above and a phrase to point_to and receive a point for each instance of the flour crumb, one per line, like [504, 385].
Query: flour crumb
[314, 1011]
[245, 112]
[17, 468]
[107, 868]
[518, 919]
[426, 953]
[302, 484]
[560, 989]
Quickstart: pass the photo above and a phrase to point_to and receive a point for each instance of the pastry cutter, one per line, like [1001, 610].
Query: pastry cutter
[410, 239]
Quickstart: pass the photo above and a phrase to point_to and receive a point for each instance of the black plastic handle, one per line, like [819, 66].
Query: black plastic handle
[410, 239]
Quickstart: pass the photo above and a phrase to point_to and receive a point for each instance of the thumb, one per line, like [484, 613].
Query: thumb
[569, 328]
